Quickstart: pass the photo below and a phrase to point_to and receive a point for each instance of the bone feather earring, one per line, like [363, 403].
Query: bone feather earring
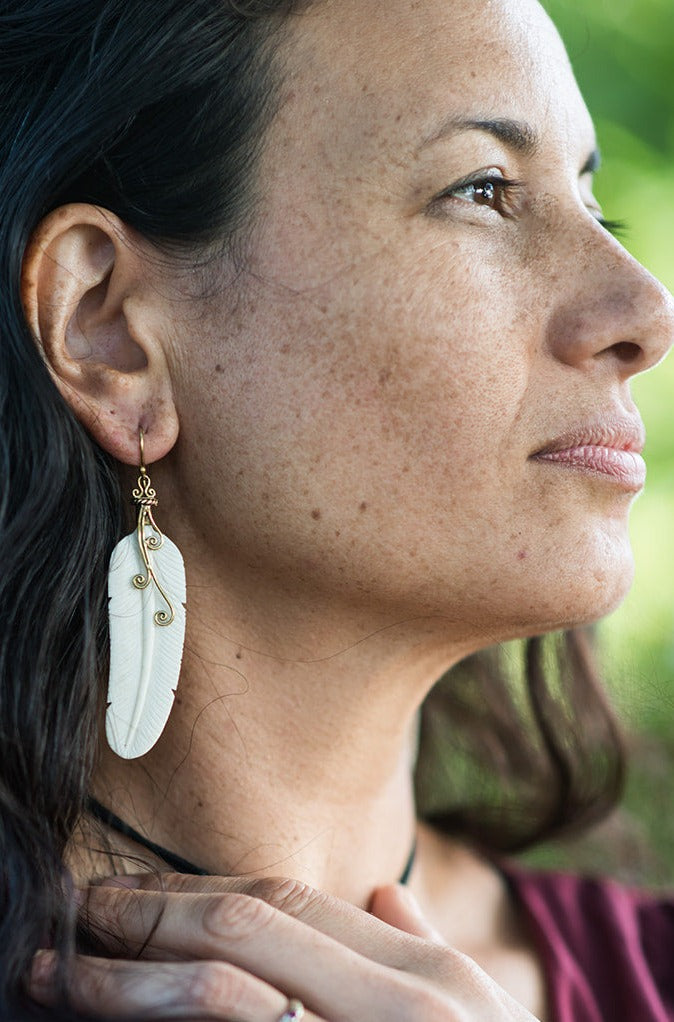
[146, 590]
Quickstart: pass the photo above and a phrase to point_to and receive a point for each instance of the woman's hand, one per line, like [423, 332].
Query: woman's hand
[236, 950]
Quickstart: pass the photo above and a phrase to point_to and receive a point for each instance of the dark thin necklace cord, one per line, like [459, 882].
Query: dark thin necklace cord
[176, 862]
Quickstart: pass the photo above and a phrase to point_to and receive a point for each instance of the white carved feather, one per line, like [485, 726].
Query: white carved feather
[145, 657]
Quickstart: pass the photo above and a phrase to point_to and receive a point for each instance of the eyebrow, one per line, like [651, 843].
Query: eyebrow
[516, 135]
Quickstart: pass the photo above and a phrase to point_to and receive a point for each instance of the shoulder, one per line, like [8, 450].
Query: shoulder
[609, 949]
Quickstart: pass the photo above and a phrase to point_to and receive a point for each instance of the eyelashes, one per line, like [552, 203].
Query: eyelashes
[618, 228]
[491, 190]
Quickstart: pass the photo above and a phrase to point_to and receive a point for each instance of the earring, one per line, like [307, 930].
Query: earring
[146, 590]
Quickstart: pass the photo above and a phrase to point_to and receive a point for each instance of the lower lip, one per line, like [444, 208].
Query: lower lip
[626, 468]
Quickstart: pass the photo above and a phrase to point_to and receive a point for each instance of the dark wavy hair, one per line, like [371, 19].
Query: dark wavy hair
[160, 119]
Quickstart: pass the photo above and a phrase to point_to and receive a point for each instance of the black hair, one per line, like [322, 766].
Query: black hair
[159, 118]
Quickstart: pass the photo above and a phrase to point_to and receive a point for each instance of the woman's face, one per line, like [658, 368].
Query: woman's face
[429, 302]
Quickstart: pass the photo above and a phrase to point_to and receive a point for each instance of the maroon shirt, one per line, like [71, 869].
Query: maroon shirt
[608, 951]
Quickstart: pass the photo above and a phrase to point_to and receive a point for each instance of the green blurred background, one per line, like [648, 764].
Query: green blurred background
[623, 55]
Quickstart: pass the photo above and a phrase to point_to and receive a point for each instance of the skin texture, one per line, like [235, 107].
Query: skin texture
[352, 485]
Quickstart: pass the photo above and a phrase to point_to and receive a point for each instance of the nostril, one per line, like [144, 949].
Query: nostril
[627, 351]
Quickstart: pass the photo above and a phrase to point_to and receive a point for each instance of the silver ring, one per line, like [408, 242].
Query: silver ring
[294, 1012]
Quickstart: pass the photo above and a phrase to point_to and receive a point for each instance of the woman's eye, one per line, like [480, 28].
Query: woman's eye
[493, 191]
[484, 194]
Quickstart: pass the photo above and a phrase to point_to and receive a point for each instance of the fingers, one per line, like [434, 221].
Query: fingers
[140, 990]
[331, 978]
[344, 964]
[343, 922]
[252, 935]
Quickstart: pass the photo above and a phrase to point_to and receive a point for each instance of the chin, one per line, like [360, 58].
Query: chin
[580, 594]
[603, 594]
[599, 575]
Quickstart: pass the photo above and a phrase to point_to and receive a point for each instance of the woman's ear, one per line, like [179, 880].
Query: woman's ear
[96, 315]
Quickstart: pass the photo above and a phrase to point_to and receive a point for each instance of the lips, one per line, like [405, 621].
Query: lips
[610, 449]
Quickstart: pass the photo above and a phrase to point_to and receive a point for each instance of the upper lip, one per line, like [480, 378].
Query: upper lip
[620, 433]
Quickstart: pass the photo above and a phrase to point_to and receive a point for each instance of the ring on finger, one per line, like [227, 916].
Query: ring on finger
[294, 1012]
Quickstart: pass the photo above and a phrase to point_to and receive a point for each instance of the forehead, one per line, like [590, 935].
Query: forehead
[392, 66]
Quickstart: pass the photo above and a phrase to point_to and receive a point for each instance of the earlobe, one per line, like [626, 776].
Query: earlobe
[89, 306]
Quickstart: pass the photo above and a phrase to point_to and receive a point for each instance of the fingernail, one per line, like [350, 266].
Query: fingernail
[411, 903]
[415, 909]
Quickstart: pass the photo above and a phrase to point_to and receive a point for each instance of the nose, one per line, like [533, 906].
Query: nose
[614, 313]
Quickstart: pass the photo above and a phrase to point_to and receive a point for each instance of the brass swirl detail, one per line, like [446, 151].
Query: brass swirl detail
[145, 498]
[144, 493]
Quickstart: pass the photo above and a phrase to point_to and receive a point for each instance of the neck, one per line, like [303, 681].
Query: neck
[288, 757]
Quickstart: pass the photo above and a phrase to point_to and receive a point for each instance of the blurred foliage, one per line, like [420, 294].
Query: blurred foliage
[623, 54]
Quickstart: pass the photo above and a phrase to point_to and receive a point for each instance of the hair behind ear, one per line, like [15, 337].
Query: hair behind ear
[519, 745]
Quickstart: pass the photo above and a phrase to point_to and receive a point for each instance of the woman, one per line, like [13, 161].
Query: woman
[330, 278]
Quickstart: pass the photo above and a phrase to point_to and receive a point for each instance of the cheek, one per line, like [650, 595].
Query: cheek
[357, 416]
[405, 380]
[443, 380]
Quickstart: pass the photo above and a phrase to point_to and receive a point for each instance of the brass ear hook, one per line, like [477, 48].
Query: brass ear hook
[141, 444]
[145, 498]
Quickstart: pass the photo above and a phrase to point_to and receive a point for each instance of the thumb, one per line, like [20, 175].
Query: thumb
[397, 906]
